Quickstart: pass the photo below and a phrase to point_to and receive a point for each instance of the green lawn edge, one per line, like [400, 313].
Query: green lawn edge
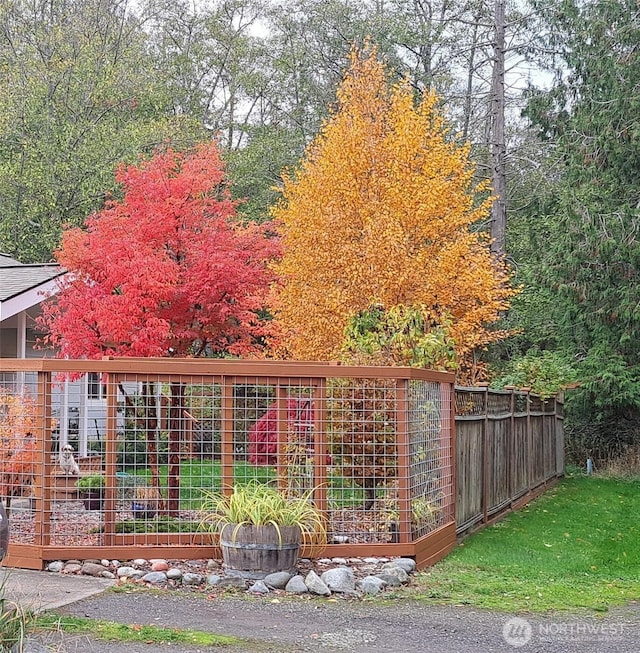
[112, 631]
[575, 548]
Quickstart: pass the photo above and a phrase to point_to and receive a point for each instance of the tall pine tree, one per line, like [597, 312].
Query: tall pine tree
[591, 263]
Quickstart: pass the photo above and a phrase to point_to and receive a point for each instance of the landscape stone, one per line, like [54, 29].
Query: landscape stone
[139, 562]
[390, 579]
[155, 578]
[191, 579]
[92, 569]
[316, 585]
[107, 574]
[339, 561]
[159, 565]
[296, 585]
[55, 566]
[72, 568]
[259, 587]
[277, 580]
[174, 573]
[371, 584]
[232, 581]
[398, 572]
[408, 564]
[125, 572]
[213, 579]
[340, 579]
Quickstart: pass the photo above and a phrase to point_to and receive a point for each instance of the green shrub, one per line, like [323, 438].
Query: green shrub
[545, 372]
[91, 483]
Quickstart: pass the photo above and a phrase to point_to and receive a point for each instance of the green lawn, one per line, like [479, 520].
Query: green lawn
[199, 475]
[578, 546]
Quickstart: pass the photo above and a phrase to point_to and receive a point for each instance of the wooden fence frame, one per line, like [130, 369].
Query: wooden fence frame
[502, 453]
[426, 549]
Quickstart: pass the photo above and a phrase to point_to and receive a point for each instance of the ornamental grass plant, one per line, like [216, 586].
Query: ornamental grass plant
[257, 504]
[14, 622]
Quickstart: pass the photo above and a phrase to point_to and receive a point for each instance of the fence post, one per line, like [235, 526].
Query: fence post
[111, 460]
[485, 454]
[404, 468]
[319, 404]
[226, 435]
[558, 425]
[530, 457]
[510, 442]
[453, 464]
[44, 463]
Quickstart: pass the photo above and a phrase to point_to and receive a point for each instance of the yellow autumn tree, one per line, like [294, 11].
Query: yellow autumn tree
[381, 211]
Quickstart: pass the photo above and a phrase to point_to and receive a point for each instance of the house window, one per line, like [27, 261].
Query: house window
[95, 388]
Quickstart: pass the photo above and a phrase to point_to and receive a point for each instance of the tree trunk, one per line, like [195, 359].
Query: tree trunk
[151, 415]
[498, 147]
[176, 409]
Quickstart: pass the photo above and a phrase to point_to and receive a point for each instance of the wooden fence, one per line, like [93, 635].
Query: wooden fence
[402, 462]
[509, 447]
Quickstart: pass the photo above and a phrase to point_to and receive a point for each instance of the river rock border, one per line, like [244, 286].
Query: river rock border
[351, 578]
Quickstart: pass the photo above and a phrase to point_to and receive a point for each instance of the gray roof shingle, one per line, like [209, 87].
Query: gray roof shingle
[17, 278]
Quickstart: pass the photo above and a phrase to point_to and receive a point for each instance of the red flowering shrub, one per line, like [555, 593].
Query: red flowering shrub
[263, 436]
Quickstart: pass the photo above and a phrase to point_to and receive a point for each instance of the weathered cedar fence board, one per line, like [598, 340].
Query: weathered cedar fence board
[509, 445]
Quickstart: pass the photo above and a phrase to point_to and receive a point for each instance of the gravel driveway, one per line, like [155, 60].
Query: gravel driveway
[312, 624]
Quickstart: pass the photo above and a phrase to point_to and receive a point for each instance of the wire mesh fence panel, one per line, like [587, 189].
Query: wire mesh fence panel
[275, 425]
[19, 421]
[167, 456]
[431, 466]
[361, 425]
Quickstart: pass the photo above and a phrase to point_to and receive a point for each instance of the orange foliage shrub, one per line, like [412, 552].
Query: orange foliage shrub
[380, 211]
[17, 443]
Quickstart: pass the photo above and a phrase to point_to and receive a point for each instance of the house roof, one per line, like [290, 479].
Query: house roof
[24, 285]
[6, 260]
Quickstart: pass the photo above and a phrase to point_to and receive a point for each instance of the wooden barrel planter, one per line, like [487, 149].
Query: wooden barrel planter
[255, 551]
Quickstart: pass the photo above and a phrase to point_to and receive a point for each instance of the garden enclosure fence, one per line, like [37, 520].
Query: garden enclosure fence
[377, 447]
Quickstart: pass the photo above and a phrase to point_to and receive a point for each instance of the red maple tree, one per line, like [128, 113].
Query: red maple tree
[166, 270]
